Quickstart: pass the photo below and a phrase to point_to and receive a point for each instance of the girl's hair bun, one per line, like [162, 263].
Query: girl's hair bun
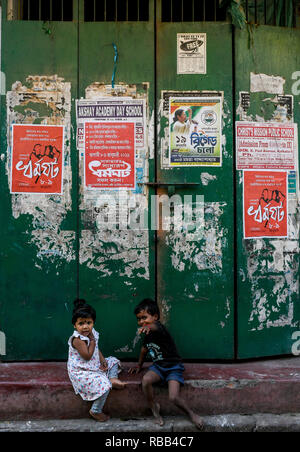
[82, 309]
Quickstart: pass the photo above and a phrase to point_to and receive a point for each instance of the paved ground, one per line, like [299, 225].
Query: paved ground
[220, 423]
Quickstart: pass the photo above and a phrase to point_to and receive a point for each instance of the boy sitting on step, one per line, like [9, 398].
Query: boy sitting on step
[167, 365]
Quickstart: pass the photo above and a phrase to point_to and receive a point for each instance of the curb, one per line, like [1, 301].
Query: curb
[262, 422]
[42, 390]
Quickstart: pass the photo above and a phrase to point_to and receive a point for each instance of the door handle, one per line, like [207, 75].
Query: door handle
[167, 184]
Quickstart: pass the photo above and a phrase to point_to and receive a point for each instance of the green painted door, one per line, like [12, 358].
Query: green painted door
[116, 262]
[221, 296]
[119, 268]
[38, 232]
[268, 269]
[195, 279]
[53, 248]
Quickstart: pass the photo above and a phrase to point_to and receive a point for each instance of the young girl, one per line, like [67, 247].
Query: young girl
[91, 375]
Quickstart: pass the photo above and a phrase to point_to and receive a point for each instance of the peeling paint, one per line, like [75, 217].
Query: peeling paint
[151, 136]
[226, 122]
[273, 270]
[272, 266]
[129, 348]
[125, 253]
[206, 253]
[97, 89]
[227, 315]
[53, 244]
[165, 310]
[112, 250]
[2, 338]
[279, 108]
[206, 178]
[43, 99]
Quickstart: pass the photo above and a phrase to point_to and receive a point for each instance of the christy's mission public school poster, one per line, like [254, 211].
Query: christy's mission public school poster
[266, 145]
[195, 131]
[265, 204]
[37, 158]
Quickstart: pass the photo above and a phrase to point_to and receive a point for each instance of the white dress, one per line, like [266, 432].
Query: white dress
[86, 377]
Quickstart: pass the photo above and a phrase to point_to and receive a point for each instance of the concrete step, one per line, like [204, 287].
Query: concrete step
[42, 390]
[143, 427]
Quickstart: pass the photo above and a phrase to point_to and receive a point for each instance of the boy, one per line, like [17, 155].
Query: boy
[167, 365]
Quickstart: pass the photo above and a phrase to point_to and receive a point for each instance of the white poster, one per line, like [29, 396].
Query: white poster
[191, 53]
[266, 83]
[266, 145]
[112, 109]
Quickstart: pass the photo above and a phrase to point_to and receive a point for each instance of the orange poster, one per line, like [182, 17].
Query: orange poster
[265, 204]
[37, 159]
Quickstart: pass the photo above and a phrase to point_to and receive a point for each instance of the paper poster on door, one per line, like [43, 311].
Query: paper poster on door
[112, 109]
[266, 145]
[195, 131]
[109, 155]
[191, 53]
[265, 204]
[37, 159]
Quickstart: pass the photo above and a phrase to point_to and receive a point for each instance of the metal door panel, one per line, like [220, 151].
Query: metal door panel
[116, 267]
[268, 269]
[38, 232]
[196, 279]
[221, 296]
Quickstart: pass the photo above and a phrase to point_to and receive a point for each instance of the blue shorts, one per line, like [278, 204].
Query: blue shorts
[169, 373]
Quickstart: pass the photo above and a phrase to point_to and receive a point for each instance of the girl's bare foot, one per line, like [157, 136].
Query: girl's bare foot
[156, 413]
[100, 417]
[117, 384]
[197, 420]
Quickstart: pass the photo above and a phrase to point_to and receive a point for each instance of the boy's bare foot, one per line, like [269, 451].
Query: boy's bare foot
[197, 420]
[100, 417]
[156, 413]
[117, 384]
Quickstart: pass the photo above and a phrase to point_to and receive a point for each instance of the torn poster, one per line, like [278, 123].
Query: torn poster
[271, 84]
[265, 145]
[37, 158]
[195, 131]
[109, 155]
[191, 53]
[265, 207]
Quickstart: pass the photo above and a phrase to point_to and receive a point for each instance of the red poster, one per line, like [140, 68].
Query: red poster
[265, 204]
[109, 155]
[37, 159]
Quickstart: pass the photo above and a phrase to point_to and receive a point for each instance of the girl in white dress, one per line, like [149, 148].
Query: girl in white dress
[91, 375]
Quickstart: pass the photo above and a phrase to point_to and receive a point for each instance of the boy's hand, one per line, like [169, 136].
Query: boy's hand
[144, 329]
[135, 370]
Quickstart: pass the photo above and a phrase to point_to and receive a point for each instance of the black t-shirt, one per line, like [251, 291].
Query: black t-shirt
[161, 346]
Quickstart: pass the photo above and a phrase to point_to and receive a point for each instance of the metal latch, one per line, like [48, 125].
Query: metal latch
[171, 185]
